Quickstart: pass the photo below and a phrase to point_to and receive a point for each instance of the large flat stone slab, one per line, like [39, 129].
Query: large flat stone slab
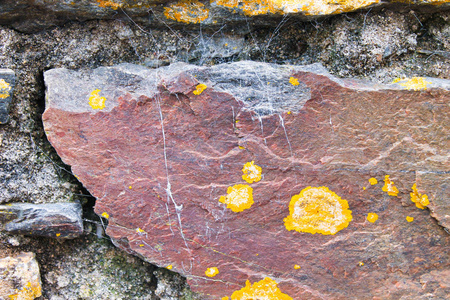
[34, 15]
[272, 174]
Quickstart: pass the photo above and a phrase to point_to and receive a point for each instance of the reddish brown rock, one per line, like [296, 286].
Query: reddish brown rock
[160, 154]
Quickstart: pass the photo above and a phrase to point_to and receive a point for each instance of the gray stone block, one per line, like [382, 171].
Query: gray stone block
[60, 220]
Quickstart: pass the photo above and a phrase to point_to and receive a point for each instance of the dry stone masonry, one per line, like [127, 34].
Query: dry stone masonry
[248, 177]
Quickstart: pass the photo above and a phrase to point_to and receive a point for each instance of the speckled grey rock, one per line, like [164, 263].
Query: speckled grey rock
[7, 82]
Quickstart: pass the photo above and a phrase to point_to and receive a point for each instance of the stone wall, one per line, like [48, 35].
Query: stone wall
[376, 44]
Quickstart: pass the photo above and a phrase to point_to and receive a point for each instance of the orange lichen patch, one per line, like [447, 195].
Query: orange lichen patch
[187, 11]
[95, 101]
[421, 200]
[106, 3]
[297, 267]
[293, 81]
[251, 7]
[211, 272]
[169, 267]
[105, 215]
[373, 181]
[372, 217]
[409, 219]
[30, 291]
[308, 7]
[266, 289]
[415, 83]
[5, 87]
[389, 187]
[199, 89]
[252, 172]
[239, 198]
[318, 210]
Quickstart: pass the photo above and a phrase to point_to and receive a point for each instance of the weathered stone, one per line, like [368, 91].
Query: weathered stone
[33, 15]
[20, 277]
[7, 82]
[59, 220]
[159, 150]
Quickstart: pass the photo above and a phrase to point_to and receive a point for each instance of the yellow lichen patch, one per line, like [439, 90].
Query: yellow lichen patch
[4, 89]
[373, 181]
[105, 215]
[251, 7]
[297, 267]
[95, 101]
[318, 210]
[421, 200]
[239, 198]
[199, 89]
[140, 231]
[389, 187]
[30, 291]
[415, 83]
[372, 217]
[169, 267]
[409, 219]
[187, 11]
[211, 272]
[106, 3]
[252, 172]
[308, 7]
[266, 289]
[293, 81]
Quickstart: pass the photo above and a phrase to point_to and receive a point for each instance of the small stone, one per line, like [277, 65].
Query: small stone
[7, 83]
[14, 241]
[20, 277]
[60, 220]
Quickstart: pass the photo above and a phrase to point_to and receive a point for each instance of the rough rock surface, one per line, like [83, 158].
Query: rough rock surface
[20, 277]
[160, 153]
[58, 220]
[28, 15]
[7, 82]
